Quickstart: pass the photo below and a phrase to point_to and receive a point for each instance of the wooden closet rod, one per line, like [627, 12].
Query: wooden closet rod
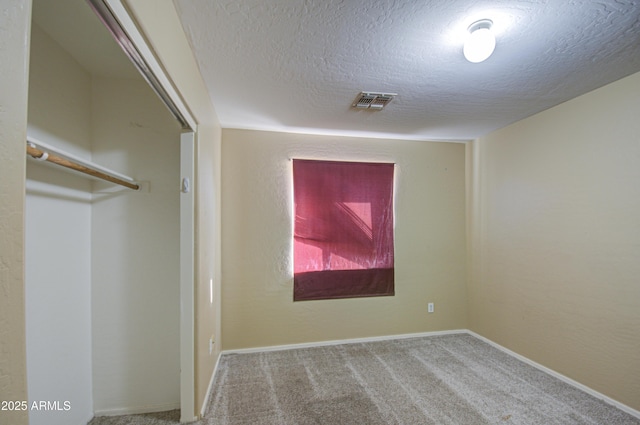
[45, 156]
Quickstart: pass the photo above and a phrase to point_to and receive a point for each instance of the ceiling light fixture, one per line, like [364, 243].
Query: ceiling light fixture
[480, 42]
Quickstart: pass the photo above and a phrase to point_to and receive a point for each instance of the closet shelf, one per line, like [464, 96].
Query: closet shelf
[43, 152]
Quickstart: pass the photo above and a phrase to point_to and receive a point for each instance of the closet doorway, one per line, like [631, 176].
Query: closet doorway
[109, 270]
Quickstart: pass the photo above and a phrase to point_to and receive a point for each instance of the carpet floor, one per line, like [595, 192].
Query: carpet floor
[450, 379]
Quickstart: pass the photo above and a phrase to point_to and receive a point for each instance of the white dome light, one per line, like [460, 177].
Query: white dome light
[480, 42]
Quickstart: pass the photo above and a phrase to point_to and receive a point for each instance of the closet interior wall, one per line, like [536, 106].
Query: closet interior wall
[58, 237]
[102, 261]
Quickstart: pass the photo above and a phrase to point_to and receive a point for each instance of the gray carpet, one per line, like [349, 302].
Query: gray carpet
[452, 379]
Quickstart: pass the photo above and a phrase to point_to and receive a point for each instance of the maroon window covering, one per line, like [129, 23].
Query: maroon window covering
[343, 230]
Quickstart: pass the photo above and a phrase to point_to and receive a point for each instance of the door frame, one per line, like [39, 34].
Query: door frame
[187, 277]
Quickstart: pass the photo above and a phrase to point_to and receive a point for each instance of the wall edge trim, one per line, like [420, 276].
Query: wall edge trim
[152, 408]
[210, 387]
[563, 378]
[340, 341]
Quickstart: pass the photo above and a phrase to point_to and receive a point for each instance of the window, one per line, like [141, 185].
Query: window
[343, 229]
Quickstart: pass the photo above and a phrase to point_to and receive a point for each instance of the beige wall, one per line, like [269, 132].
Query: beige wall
[555, 224]
[208, 256]
[135, 251]
[159, 22]
[257, 241]
[15, 21]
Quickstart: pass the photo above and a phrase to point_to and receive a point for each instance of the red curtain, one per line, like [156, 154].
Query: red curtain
[343, 231]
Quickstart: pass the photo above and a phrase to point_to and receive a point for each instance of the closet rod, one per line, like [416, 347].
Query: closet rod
[46, 156]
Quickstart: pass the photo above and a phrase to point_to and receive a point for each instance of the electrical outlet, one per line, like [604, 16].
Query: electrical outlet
[211, 344]
[430, 307]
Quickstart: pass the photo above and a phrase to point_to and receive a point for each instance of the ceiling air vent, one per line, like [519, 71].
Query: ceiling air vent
[374, 101]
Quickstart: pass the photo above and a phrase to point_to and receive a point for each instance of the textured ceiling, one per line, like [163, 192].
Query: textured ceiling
[296, 65]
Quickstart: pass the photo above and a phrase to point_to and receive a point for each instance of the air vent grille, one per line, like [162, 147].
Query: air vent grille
[373, 101]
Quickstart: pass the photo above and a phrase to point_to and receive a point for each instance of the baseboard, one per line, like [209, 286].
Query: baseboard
[341, 341]
[210, 387]
[576, 384]
[137, 410]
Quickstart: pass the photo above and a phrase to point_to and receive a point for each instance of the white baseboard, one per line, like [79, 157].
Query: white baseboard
[137, 410]
[340, 342]
[210, 387]
[590, 391]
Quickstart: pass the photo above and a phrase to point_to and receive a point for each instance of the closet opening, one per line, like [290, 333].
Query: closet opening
[105, 263]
